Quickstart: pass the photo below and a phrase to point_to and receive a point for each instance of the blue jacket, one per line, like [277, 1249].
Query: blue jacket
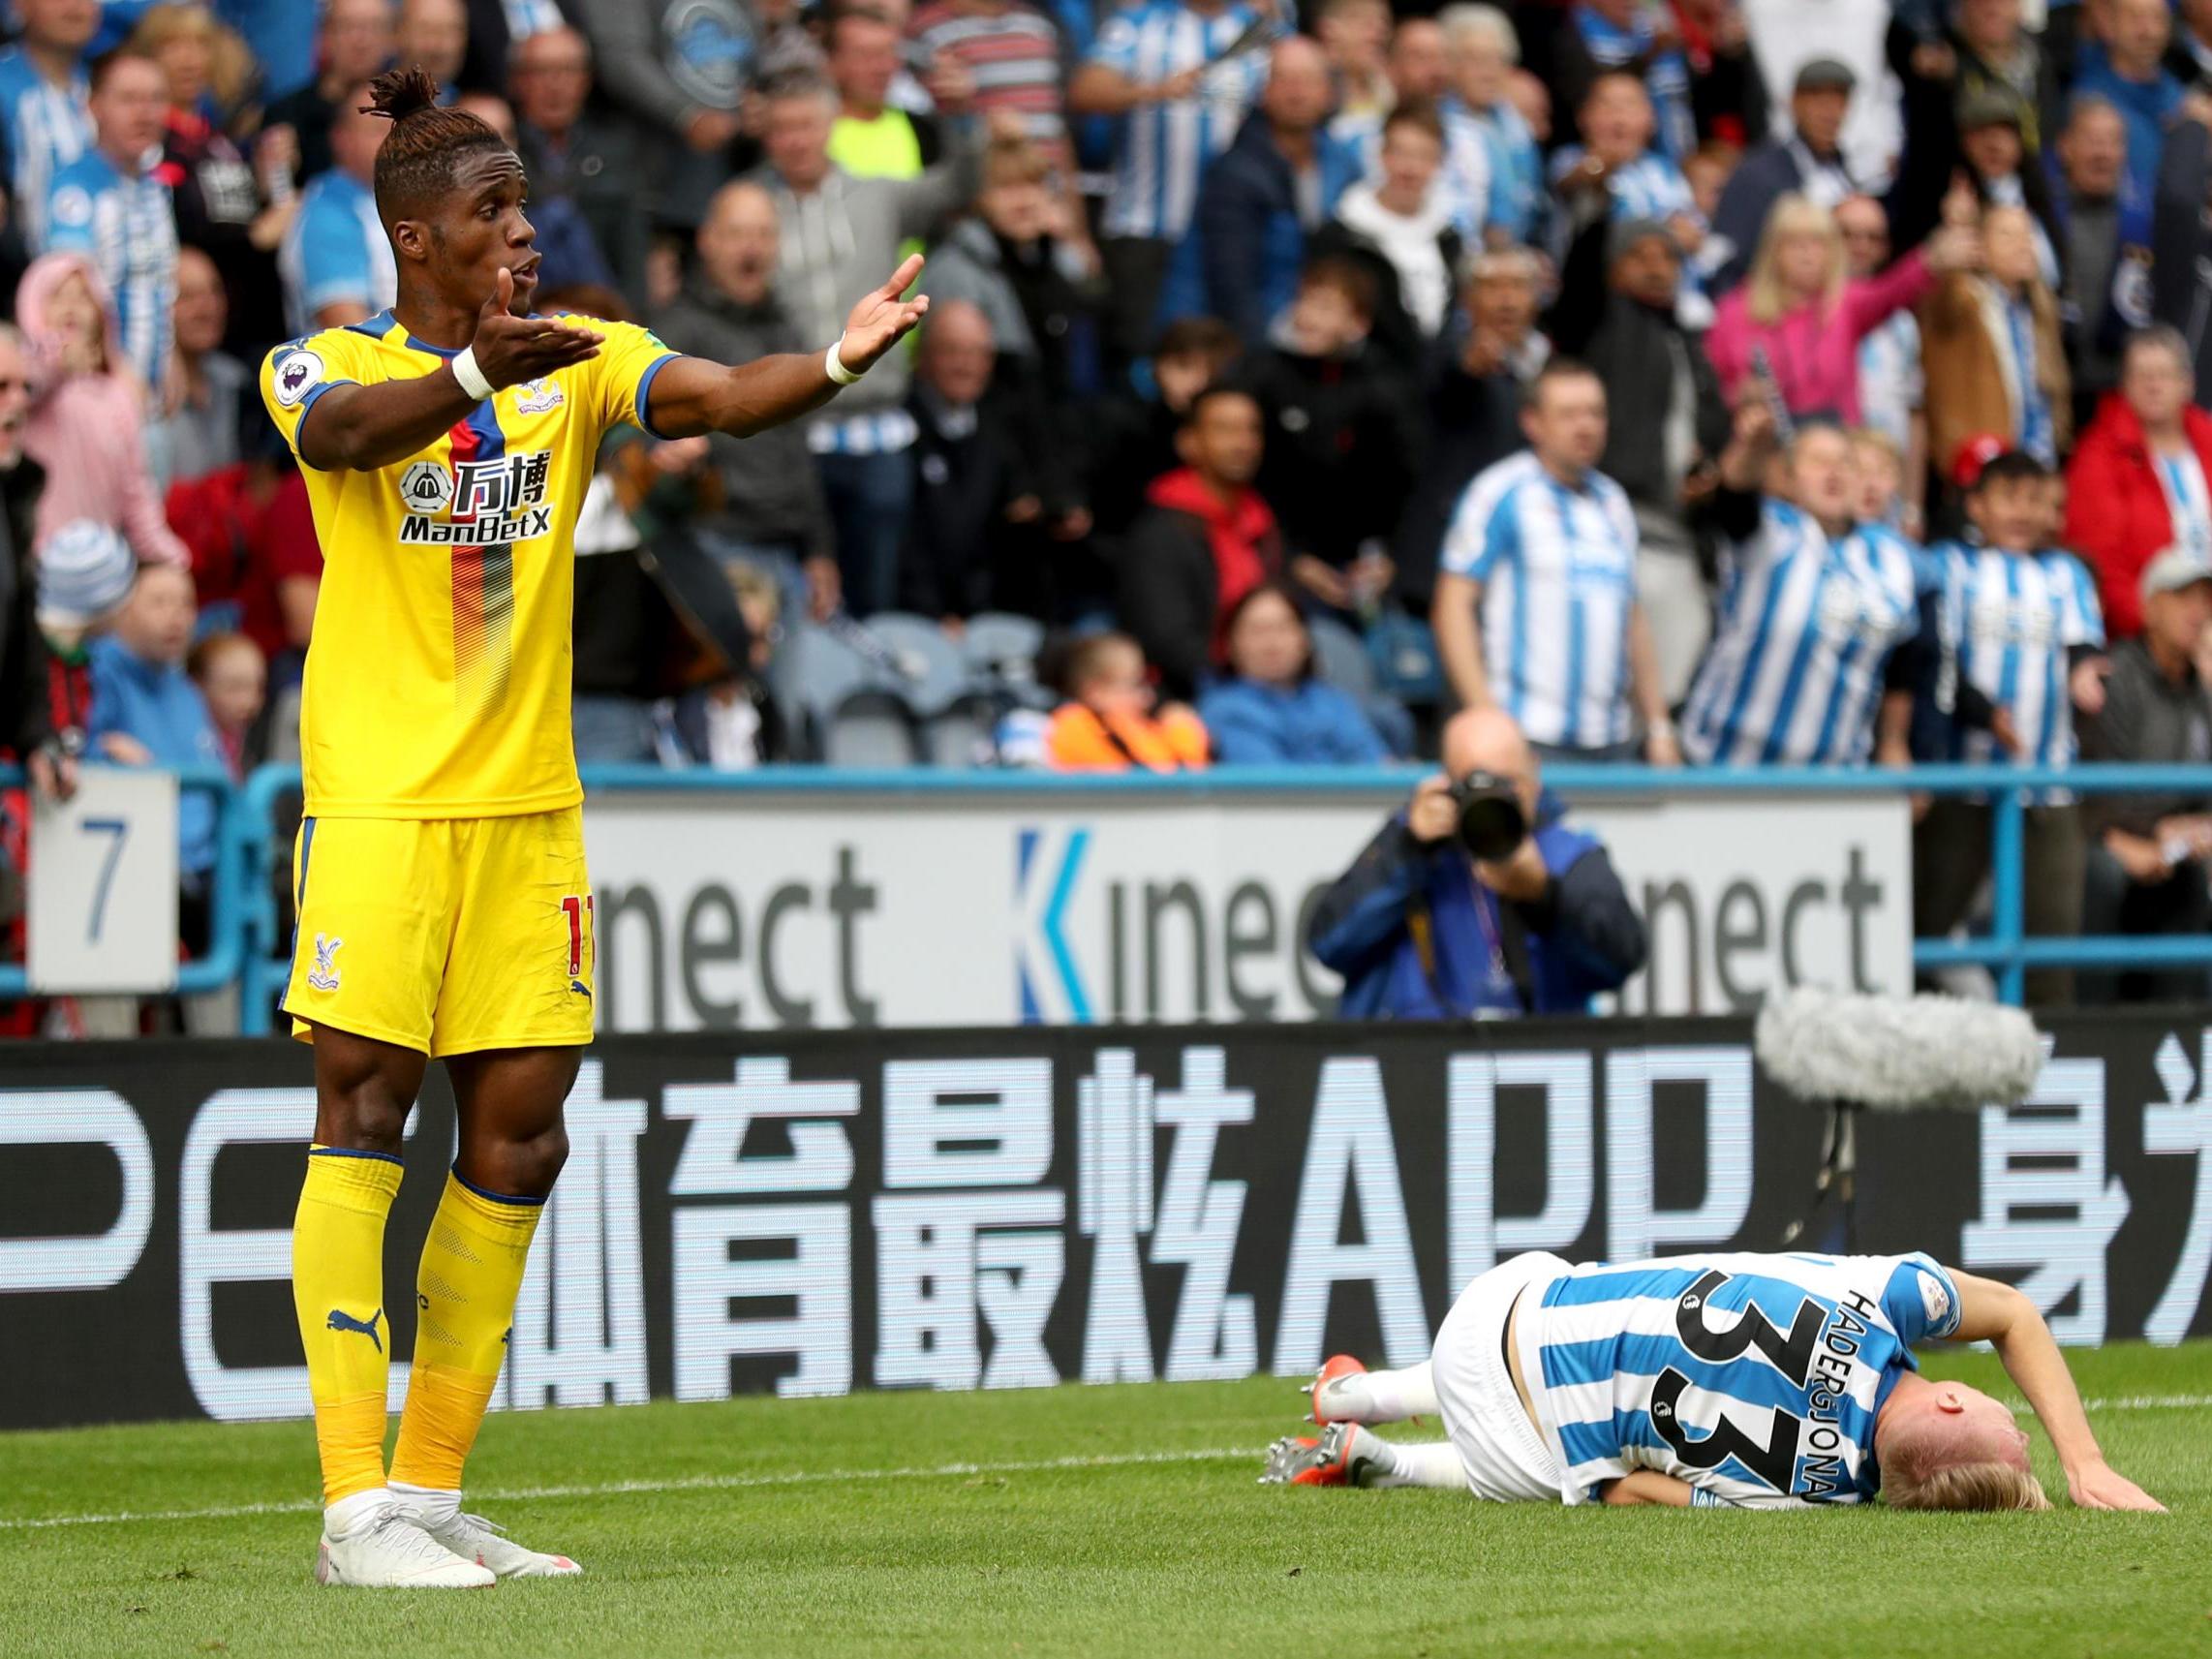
[1310, 725]
[1583, 939]
[2147, 108]
[157, 704]
[1240, 259]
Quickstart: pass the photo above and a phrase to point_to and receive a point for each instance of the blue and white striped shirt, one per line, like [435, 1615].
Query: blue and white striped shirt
[1517, 168]
[2008, 621]
[1557, 567]
[335, 252]
[1162, 148]
[1651, 187]
[1755, 1378]
[1794, 675]
[2188, 502]
[128, 228]
[47, 127]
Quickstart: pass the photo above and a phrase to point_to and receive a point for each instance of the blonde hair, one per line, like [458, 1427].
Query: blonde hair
[229, 62]
[1979, 1485]
[1872, 438]
[1793, 215]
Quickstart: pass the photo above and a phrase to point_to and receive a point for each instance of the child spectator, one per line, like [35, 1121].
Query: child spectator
[146, 711]
[1108, 722]
[85, 573]
[2020, 628]
[232, 677]
[1271, 708]
[86, 425]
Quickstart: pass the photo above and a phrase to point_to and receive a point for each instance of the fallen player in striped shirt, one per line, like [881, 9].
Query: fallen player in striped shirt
[1732, 1380]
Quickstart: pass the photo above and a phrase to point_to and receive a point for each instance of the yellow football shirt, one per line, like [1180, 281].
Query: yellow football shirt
[438, 678]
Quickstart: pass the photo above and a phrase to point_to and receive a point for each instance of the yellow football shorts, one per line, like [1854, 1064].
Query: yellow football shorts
[445, 936]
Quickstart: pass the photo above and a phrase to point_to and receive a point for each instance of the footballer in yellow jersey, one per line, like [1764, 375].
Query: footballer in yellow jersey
[445, 910]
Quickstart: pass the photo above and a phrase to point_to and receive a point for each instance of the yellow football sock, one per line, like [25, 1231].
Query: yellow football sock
[472, 1272]
[337, 1289]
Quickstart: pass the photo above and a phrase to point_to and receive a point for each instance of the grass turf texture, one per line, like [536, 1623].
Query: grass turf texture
[714, 1549]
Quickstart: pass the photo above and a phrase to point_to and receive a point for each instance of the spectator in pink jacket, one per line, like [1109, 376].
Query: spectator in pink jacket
[87, 418]
[1809, 316]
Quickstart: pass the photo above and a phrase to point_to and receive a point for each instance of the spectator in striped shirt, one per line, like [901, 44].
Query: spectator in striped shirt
[115, 207]
[1616, 152]
[1813, 608]
[1010, 52]
[1491, 145]
[1535, 608]
[45, 113]
[2016, 620]
[335, 260]
[1166, 68]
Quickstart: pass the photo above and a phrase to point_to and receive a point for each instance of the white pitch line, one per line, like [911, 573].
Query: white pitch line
[824, 1477]
[685, 1484]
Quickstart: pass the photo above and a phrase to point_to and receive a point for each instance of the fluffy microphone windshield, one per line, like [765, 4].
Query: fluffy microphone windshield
[1896, 1053]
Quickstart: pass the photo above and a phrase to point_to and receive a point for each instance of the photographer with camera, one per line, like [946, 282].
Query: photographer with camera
[1477, 901]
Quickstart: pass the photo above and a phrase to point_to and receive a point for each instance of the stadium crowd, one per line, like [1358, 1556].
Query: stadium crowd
[1700, 380]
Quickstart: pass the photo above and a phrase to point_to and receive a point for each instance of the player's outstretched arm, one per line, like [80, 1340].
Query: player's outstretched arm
[1641, 1488]
[363, 427]
[2000, 1315]
[693, 395]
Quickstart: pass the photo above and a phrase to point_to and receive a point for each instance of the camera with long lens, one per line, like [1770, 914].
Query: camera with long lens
[1492, 823]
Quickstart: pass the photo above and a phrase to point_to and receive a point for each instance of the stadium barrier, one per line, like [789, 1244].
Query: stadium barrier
[1801, 874]
[815, 1213]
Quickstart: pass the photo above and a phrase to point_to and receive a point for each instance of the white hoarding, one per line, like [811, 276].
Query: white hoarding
[102, 911]
[768, 910]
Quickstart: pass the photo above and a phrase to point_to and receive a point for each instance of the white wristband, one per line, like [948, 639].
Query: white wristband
[832, 367]
[471, 377]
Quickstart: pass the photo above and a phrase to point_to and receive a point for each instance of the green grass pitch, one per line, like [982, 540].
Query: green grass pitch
[1103, 1520]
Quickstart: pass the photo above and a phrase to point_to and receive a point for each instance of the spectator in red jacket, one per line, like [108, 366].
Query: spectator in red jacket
[2140, 479]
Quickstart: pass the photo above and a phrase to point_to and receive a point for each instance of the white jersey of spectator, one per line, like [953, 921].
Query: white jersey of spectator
[2188, 502]
[1162, 149]
[1466, 186]
[335, 252]
[1892, 387]
[1755, 1379]
[1557, 567]
[46, 127]
[2008, 621]
[128, 228]
[1794, 676]
[1788, 34]
[1653, 187]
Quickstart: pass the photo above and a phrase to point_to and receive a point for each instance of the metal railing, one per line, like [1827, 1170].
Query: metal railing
[248, 944]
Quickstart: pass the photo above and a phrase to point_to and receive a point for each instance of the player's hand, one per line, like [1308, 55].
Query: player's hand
[2100, 1486]
[882, 320]
[510, 350]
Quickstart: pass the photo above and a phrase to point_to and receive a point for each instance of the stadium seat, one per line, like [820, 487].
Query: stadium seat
[812, 677]
[931, 670]
[1002, 646]
[1340, 657]
[961, 738]
[871, 726]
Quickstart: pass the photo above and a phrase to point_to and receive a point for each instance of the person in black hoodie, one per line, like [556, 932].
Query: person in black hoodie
[1615, 311]
[1133, 436]
[1341, 437]
[772, 510]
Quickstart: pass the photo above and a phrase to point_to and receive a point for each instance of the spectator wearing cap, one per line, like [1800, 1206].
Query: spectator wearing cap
[1803, 309]
[1991, 341]
[2103, 239]
[1616, 311]
[1273, 188]
[2150, 856]
[2013, 621]
[2127, 70]
[84, 575]
[2136, 484]
[1807, 160]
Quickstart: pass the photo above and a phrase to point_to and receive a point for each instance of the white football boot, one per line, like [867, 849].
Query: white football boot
[473, 1538]
[387, 1549]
